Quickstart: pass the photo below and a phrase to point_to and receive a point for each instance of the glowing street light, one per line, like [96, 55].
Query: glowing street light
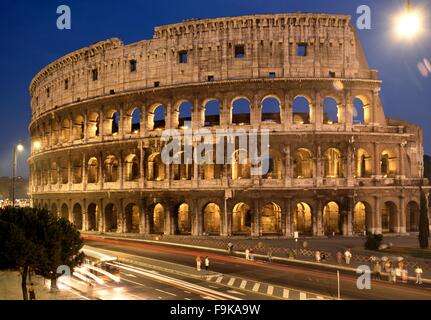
[409, 23]
[17, 149]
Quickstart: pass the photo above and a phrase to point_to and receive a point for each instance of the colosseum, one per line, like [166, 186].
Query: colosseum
[337, 165]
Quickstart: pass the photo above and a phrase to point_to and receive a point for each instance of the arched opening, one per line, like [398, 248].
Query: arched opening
[241, 219]
[114, 119]
[210, 169]
[77, 171]
[241, 111]
[78, 128]
[135, 121]
[412, 217]
[271, 110]
[132, 168]
[54, 209]
[212, 113]
[64, 211]
[302, 218]
[77, 216]
[65, 130]
[362, 219]
[54, 173]
[182, 220]
[389, 217]
[111, 223]
[241, 165]
[92, 214]
[331, 218]
[388, 164]
[363, 164]
[212, 219]
[333, 164]
[183, 170]
[273, 164]
[64, 171]
[301, 110]
[331, 111]
[93, 125]
[156, 168]
[93, 170]
[157, 117]
[111, 169]
[361, 111]
[55, 130]
[271, 219]
[185, 110]
[133, 218]
[302, 164]
[158, 221]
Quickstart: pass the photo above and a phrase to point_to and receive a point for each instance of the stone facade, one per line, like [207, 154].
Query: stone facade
[98, 114]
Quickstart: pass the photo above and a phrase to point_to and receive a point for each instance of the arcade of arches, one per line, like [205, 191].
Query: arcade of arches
[250, 217]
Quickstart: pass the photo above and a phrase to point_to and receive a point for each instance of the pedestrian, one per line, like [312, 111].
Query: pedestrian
[247, 254]
[404, 275]
[198, 264]
[317, 256]
[251, 255]
[269, 255]
[348, 256]
[323, 256]
[31, 292]
[230, 248]
[393, 275]
[339, 257]
[419, 272]
[378, 270]
[207, 263]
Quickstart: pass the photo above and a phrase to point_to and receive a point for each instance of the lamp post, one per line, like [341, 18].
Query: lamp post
[17, 148]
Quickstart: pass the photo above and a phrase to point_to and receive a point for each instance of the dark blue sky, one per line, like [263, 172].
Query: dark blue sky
[30, 40]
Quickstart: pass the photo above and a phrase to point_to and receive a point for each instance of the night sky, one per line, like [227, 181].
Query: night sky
[30, 41]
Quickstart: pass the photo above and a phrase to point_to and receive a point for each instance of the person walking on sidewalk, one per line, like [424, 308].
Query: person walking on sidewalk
[378, 270]
[230, 248]
[393, 275]
[31, 292]
[207, 263]
[317, 256]
[348, 256]
[323, 256]
[198, 263]
[247, 254]
[269, 255]
[419, 271]
[251, 254]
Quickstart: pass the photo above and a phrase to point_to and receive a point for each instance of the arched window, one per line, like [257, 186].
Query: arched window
[301, 111]
[212, 219]
[78, 128]
[54, 173]
[156, 168]
[241, 166]
[271, 110]
[93, 170]
[241, 111]
[363, 164]
[241, 219]
[115, 128]
[185, 114]
[271, 219]
[212, 113]
[388, 164]
[333, 164]
[361, 110]
[331, 219]
[302, 164]
[65, 130]
[183, 219]
[302, 218]
[135, 121]
[389, 217]
[93, 125]
[110, 218]
[77, 171]
[157, 117]
[158, 221]
[331, 111]
[132, 168]
[111, 169]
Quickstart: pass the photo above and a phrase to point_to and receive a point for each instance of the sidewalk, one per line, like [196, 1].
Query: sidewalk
[282, 249]
[10, 288]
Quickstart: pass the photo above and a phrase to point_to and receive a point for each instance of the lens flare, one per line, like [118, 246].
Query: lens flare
[409, 24]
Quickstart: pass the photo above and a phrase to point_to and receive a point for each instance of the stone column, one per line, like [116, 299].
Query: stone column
[143, 122]
[287, 166]
[256, 232]
[288, 108]
[318, 227]
[377, 163]
[350, 209]
[287, 218]
[349, 165]
[316, 109]
[143, 219]
[377, 228]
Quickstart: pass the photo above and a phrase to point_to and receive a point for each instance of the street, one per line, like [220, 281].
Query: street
[238, 273]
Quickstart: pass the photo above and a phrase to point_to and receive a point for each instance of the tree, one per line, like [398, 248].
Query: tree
[34, 239]
[424, 225]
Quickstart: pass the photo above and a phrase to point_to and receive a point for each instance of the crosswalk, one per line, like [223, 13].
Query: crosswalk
[264, 288]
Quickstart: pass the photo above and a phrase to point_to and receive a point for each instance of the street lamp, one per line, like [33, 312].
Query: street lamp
[17, 149]
[408, 23]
